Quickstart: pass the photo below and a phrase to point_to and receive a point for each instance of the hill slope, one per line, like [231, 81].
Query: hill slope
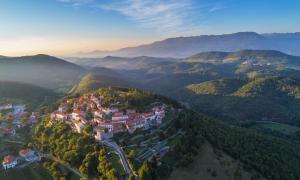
[32, 96]
[101, 77]
[41, 70]
[259, 99]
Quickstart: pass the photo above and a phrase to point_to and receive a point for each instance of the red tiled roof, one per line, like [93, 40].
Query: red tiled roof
[8, 159]
[24, 152]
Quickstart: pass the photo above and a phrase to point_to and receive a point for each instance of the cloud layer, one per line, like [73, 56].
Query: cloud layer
[76, 2]
[173, 17]
[162, 15]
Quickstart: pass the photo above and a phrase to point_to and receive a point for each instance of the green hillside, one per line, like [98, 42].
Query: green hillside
[41, 70]
[260, 99]
[193, 138]
[217, 87]
[32, 96]
[101, 77]
[254, 56]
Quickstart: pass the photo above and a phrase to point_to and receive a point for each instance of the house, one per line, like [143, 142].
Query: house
[118, 127]
[118, 113]
[108, 110]
[102, 133]
[76, 115]
[118, 118]
[9, 161]
[130, 111]
[108, 126]
[98, 114]
[10, 131]
[149, 116]
[98, 120]
[59, 116]
[6, 107]
[137, 123]
[78, 126]
[29, 155]
[34, 117]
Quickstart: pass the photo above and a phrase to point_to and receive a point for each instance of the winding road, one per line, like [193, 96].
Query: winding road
[121, 154]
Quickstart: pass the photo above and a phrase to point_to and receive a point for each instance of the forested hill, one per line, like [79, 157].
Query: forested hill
[41, 70]
[31, 96]
[262, 57]
[101, 77]
[258, 99]
[272, 158]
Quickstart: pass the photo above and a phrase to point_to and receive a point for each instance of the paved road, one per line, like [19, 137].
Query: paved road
[121, 154]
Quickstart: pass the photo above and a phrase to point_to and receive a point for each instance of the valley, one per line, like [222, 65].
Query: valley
[114, 132]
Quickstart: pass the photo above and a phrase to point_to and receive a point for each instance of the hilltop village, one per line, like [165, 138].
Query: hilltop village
[89, 111]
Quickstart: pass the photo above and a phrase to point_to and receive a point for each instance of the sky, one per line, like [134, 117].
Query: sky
[68, 27]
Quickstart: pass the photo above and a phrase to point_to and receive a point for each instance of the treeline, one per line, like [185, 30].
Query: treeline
[274, 158]
[133, 98]
[78, 150]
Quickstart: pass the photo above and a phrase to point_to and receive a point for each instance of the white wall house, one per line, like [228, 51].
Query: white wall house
[9, 161]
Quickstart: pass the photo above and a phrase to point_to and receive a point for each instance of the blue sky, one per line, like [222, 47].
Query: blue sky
[62, 27]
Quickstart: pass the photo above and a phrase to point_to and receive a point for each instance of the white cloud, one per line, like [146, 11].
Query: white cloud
[165, 16]
[76, 2]
[217, 7]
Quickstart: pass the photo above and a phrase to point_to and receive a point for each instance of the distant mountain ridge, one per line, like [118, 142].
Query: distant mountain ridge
[40, 70]
[181, 47]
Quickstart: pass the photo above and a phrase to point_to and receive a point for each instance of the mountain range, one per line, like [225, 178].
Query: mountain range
[180, 47]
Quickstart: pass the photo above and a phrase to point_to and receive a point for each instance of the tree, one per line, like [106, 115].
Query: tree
[24, 120]
[1, 116]
[87, 129]
[10, 118]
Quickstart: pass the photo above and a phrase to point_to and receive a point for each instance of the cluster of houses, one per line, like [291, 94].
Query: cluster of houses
[17, 113]
[106, 121]
[26, 155]
[17, 123]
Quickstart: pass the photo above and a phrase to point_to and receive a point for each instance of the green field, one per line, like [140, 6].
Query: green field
[278, 127]
[32, 172]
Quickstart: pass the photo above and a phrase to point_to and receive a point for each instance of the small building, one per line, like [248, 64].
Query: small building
[78, 126]
[98, 114]
[130, 111]
[118, 118]
[59, 116]
[34, 117]
[6, 107]
[9, 161]
[10, 131]
[102, 133]
[29, 155]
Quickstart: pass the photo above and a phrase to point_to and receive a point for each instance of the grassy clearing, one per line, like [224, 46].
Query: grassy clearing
[32, 172]
[212, 166]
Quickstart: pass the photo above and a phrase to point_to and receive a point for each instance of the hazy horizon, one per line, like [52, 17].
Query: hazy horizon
[67, 27]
